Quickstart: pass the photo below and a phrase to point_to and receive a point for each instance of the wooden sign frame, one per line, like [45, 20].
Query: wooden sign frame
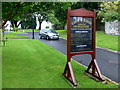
[68, 73]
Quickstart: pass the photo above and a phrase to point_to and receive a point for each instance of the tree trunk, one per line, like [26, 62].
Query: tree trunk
[40, 25]
[14, 22]
[3, 23]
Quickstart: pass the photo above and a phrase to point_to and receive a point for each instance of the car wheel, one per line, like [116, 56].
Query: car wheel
[57, 38]
[40, 36]
[47, 38]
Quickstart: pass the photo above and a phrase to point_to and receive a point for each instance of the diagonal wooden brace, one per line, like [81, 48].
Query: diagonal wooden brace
[68, 73]
[95, 70]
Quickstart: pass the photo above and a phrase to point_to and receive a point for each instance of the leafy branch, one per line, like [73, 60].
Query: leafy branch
[109, 11]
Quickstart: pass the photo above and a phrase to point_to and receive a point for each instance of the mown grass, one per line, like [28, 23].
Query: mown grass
[18, 32]
[63, 33]
[0, 67]
[30, 63]
[23, 31]
[107, 41]
[0, 61]
[14, 36]
[28, 30]
[9, 36]
[102, 40]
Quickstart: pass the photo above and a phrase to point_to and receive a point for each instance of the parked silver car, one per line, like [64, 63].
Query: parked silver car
[48, 34]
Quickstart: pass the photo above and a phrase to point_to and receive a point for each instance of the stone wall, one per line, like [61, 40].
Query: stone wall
[112, 27]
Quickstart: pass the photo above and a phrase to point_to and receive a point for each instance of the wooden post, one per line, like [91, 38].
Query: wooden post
[95, 69]
[68, 72]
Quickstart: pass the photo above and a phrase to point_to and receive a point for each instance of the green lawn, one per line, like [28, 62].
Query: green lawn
[14, 36]
[63, 33]
[0, 68]
[102, 40]
[23, 31]
[0, 62]
[28, 30]
[18, 32]
[107, 41]
[30, 63]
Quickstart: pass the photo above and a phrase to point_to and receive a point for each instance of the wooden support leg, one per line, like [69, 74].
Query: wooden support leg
[68, 73]
[95, 70]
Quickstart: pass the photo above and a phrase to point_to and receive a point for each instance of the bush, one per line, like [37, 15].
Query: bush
[47, 27]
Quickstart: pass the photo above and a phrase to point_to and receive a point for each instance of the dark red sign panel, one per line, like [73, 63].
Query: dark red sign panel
[81, 34]
[81, 28]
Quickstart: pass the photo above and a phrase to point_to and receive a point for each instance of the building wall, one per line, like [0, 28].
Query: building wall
[8, 26]
[44, 24]
[112, 27]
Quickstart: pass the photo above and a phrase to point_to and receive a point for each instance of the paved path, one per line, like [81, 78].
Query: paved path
[107, 61]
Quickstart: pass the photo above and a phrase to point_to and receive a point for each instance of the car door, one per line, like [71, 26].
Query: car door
[44, 33]
[41, 32]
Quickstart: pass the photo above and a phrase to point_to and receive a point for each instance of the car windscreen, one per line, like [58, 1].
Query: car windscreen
[53, 31]
[46, 30]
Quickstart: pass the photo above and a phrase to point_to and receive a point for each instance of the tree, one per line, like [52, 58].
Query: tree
[86, 5]
[109, 11]
[24, 10]
[14, 10]
[61, 12]
[19, 10]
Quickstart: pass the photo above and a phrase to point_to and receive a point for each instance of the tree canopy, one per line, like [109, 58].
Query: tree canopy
[23, 10]
[109, 11]
[55, 12]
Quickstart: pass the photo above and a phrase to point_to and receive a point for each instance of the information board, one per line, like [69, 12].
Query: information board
[81, 37]
[81, 34]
